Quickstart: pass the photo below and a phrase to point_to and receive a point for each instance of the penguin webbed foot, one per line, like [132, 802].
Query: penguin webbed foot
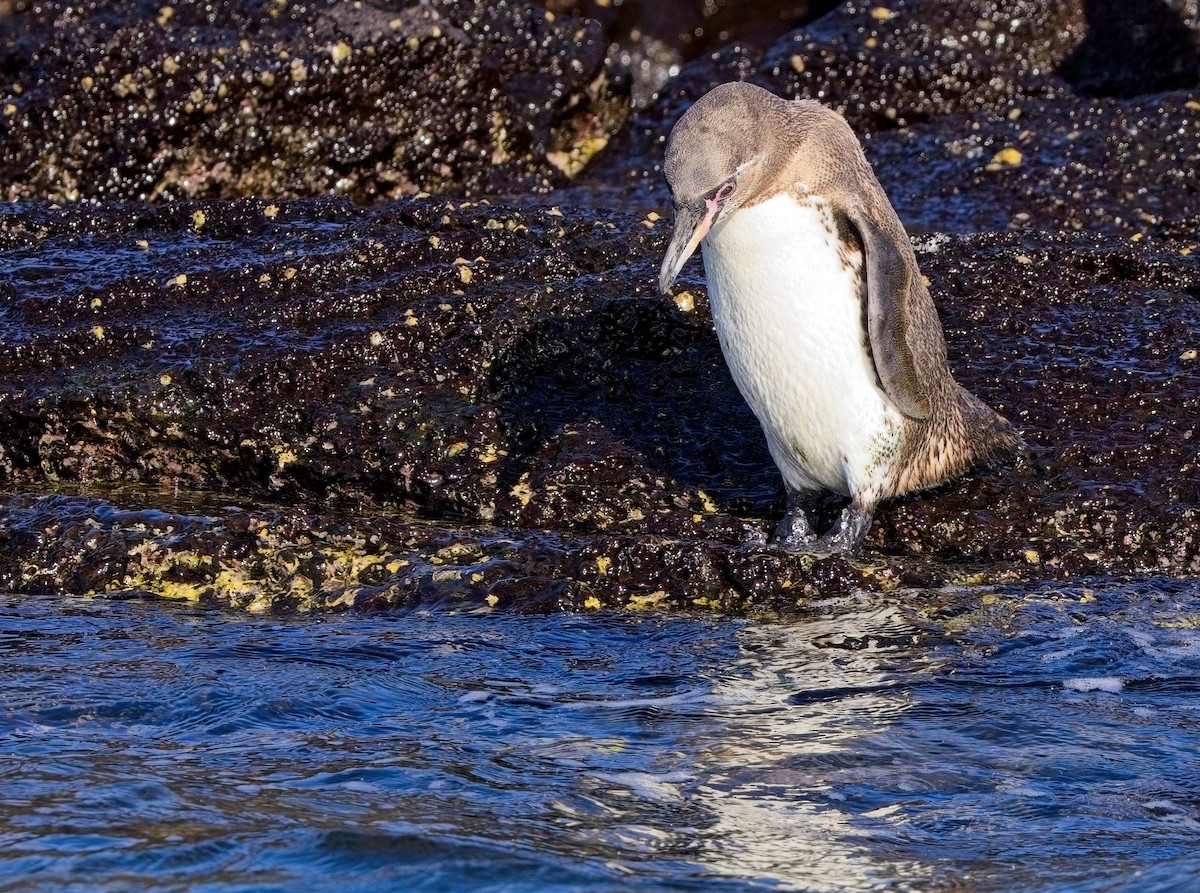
[793, 533]
[847, 534]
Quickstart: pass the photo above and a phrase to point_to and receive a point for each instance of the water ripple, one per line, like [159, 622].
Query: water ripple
[985, 741]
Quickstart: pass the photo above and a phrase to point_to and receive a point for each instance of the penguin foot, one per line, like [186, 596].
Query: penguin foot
[793, 533]
[847, 534]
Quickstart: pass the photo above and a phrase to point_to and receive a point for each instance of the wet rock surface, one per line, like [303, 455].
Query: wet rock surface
[189, 99]
[311, 404]
[429, 375]
[983, 114]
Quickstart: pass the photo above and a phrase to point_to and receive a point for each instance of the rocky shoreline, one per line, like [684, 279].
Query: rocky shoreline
[476, 396]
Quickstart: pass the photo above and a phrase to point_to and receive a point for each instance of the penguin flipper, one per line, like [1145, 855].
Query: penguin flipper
[890, 281]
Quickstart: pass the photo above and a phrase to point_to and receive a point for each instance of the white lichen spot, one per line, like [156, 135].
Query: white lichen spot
[376, 339]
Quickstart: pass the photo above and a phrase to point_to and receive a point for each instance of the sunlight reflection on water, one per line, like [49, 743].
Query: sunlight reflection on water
[998, 740]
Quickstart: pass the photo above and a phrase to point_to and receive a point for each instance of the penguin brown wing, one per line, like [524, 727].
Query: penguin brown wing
[890, 281]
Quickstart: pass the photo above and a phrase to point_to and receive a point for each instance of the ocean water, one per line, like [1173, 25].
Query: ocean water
[978, 740]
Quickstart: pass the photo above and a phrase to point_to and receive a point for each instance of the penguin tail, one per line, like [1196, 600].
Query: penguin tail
[991, 435]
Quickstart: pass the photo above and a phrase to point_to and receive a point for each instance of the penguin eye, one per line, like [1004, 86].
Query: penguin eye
[726, 189]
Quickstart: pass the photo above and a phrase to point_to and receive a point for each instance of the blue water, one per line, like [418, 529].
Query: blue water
[979, 740]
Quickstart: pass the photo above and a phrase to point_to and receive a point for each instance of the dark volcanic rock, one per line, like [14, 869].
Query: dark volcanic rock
[329, 405]
[504, 382]
[146, 100]
[651, 39]
[982, 114]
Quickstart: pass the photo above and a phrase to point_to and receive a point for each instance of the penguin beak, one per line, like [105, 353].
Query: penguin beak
[691, 226]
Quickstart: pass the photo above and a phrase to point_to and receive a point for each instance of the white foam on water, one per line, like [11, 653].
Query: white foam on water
[1112, 684]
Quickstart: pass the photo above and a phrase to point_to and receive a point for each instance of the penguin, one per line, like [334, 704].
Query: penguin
[823, 317]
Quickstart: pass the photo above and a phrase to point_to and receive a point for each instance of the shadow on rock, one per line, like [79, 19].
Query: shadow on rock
[633, 384]
[1134, 49]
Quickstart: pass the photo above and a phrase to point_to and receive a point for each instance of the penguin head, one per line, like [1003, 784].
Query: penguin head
[715, 164]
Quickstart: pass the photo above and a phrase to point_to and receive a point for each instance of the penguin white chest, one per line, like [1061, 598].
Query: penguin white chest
[787, 301]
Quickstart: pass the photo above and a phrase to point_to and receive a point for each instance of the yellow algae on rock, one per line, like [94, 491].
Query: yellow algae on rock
[284, 455]
[522, 491]
[646, 602]
[1006, 157]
